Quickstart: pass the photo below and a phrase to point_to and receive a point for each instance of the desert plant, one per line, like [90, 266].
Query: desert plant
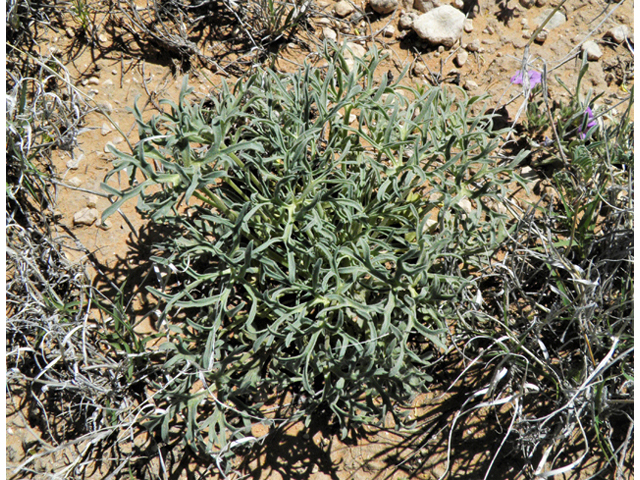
[555, 319]
[303, 258]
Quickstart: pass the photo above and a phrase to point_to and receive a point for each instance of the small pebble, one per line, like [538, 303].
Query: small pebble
[466, 204]
[618, 33]
[85, 216]
[459, 4]
[527, 3]
[74, 182]
[461, 58]
[592, 50]
[114, 72]
[418, 69]
[106, 147]
[388, 31]
[541, 3]
[74, 163]
[102, 38]
[474, 46]
[106, 225]
[93, 81]
[343, 8]
[542, 36]
[470, 85]
[468, 25]
[323, 22]
[107, 83]
[329, 34]
[526, 34]
[92, 200]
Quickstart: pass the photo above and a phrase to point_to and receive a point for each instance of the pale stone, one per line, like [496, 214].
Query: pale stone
[430, 225]
[102, 38]
[425, 6]
[474, 46]
[528, 173]
[344, 8]
[527, 3]
[470, 85]
[383, 6]
[86, 216]
[74, 163]
[461, 58]
[92, 201]
[541, 3]
[107, 83]
[406, 20]
[419, 69]
[114, 72]
[466, 204]
[106, 147]
[106, 129]
[74, 182]
[592, 49]
[324, 22]
[542, 36]
[459, 4]
[468, 25]
[618, 33]
[388, 31]
[555, 21]
[106, 225]
[329, 34]
[441, 26]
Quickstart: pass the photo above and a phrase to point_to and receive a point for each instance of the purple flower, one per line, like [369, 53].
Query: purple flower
[590, 123]
[534, 78]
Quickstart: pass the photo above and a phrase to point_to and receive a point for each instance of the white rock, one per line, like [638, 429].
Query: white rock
[94, 81]
[74, 162]
[329, 34]
[106, 147]
[459, 4]
[430, 225]
[323, 22]
[618, 33]
[461, 58]
[406, 20]
[470, 85]
[541, 3]
[102, 38]
[425, 6]
[92, 201]
[106, 225]
[466, 204]
[441, 26]
[592, 49]
[555, 21]
[74, 182]
[86, 216]
[468, 25]
[527, 3]
[474, 46]
[106, 129]
[388, 31]
[542, 36]
[107, 83]
[383, 6]
[418, 69]
[528, 174]
[357, 50]
[343, 8]
[114, 72]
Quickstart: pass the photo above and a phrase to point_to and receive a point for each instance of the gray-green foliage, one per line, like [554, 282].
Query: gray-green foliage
[303, 257]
